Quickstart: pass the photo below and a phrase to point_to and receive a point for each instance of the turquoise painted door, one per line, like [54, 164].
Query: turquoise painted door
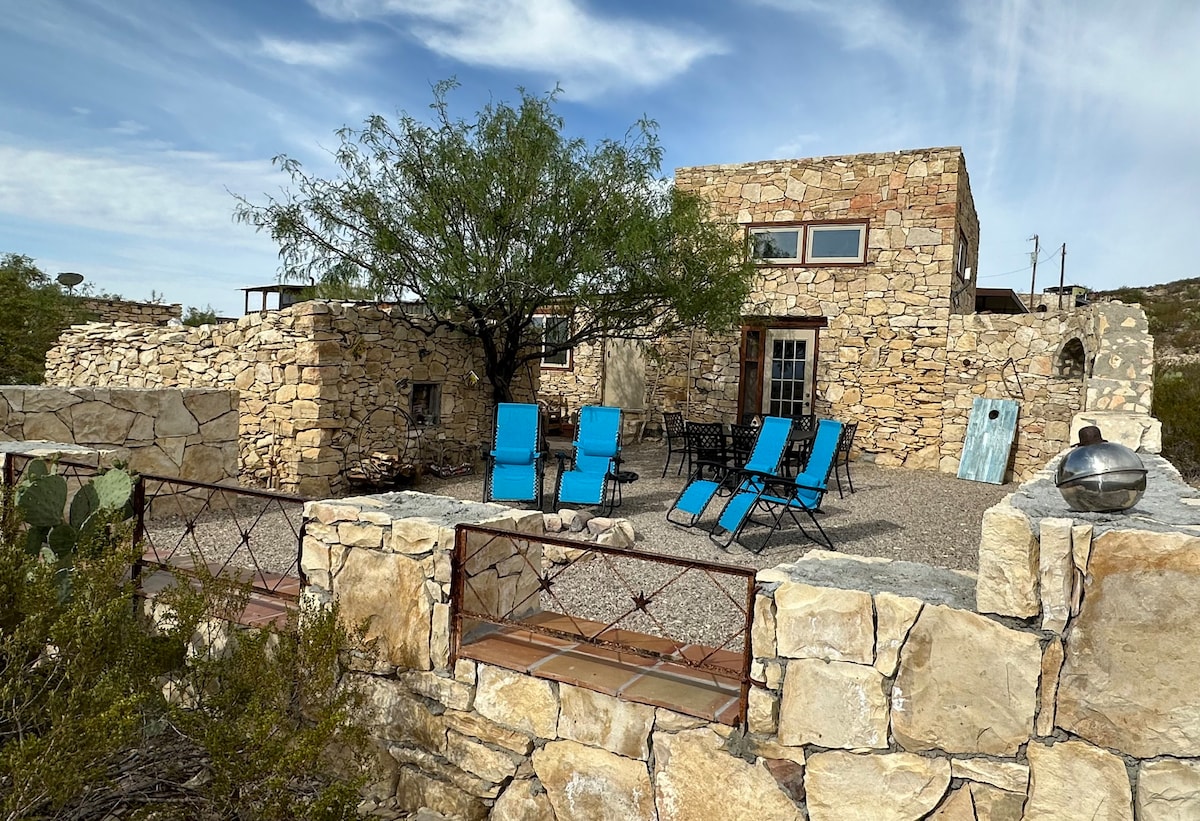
[990, 432]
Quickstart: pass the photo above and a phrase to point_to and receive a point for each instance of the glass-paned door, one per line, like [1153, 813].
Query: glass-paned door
[787, 377]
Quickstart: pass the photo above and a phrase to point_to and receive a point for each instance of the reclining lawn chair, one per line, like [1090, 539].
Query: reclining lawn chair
[515, 464]
[592, 479]
[765, 458]
[779, 497]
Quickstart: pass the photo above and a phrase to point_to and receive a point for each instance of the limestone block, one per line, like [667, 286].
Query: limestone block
[958, 806]
[207, 405]
[824, 623]
[439, 637]
[894, 617]
[354, 534]
[842, 786]
[518, 701]
[762, 711]
[388, 592]
[601, 720]
[479, 759]
[393, 713]
[99, 423]
[966, 684]
[1056, 573]
[695, 779]
[415, 789]
[476, 726]
[587, 784]
[1007, 775]
[762, 635]
[1008, 563]
[833, 704]
[1052, 659]
[46, 426]
[1131, 678]
[1073, 780]
[994, 804]
[414, 535]
[1138, 431]
[1168, 790]
[523, 800]
[1081, 550]
[173, 417]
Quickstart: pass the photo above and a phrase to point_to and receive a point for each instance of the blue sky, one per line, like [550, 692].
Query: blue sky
[125, 124]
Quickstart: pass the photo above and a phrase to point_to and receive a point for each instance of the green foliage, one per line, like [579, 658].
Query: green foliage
[195, 317]
[1177, 406]
[34, 310]
[42, 496]
[481, 225]
[106, 711]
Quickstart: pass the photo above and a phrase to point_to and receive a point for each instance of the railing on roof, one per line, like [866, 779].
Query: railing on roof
[648, 628]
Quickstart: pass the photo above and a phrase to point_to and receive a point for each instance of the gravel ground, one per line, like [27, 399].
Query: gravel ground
[918, 516]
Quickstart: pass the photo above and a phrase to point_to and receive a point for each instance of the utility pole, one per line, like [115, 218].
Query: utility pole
[1033, 282]
[1062, 275]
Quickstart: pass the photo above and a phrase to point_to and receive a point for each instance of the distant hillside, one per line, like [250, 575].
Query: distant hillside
[1173, 310]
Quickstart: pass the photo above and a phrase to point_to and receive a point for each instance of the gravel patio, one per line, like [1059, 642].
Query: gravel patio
[917, 516]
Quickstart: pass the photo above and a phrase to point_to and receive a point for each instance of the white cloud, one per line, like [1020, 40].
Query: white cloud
[128, 128]
[168, 194]
[323, 55]
[588, 53]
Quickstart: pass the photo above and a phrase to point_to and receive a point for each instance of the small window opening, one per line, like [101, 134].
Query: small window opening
[427, 403]
[1072, 360]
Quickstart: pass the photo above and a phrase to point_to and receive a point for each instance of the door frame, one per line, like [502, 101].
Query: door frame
[753, 357]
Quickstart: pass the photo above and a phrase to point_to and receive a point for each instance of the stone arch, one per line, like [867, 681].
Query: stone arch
[1072, 359]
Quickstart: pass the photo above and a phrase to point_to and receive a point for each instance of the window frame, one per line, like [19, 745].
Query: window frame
[804, 230]
[540, 321]
[432, 417]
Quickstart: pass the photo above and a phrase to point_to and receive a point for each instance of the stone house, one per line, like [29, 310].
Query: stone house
[864, 310]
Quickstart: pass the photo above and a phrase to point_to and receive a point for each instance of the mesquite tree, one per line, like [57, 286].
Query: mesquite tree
[479, 226]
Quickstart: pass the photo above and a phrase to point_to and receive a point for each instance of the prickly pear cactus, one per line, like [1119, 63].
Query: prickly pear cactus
[42, 498]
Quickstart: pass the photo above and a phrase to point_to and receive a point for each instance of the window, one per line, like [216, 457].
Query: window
[554, 328]
[960, 259]
[825, 243]
[836, 243]
[426, 403]
[776, 244]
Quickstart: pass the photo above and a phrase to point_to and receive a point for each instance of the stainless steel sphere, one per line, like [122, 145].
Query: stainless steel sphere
[1104, 476]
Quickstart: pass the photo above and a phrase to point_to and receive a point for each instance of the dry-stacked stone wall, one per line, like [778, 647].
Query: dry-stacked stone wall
[1061, 683]
[190, 433]
[321, 384]
[123, 310]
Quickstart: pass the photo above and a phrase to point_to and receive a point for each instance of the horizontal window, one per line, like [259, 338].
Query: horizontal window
[812, 244]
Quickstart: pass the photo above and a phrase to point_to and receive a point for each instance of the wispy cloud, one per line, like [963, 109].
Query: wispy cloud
[170, 193]
[322, 55]
[128, 128]
[587, 52]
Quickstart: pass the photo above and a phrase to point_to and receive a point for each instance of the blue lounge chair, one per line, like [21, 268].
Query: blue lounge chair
[765, 458]
[515, 464]
[778, 496]
[592, 477]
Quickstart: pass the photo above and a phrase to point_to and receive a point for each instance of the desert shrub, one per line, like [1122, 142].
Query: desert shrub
[108, 713]
[1177, 406]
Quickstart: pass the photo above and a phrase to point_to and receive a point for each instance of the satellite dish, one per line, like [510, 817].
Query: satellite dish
[70, 279]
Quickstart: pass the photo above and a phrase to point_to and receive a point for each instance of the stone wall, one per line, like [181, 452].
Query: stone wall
[123, 310]
[322, 385]
[917, 416]
[190, 433]
[886, 689]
